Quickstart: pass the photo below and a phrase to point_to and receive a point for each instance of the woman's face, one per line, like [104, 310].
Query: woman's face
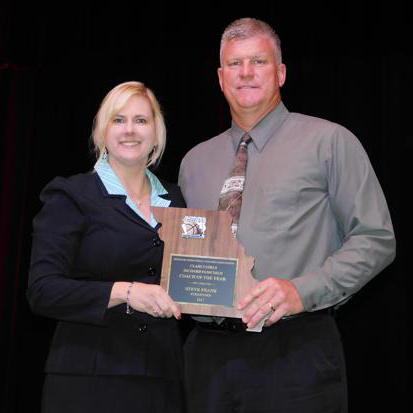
[131, 134]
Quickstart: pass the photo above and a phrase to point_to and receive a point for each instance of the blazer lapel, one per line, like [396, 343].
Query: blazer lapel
[166, 196]
[118, 202]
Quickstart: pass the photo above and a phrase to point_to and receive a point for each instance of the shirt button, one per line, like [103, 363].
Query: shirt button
[151, 271]
[142, 328]
[156, 242]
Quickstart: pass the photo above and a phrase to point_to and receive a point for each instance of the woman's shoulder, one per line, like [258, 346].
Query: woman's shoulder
[78, 184]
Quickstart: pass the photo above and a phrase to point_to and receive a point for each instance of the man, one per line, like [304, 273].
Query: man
[315, 219]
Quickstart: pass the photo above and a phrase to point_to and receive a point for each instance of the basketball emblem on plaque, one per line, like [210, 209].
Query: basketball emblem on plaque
[193, 227]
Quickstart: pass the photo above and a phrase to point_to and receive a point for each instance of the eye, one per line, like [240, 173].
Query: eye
[141, 120]
[118, 120]
[258, 61]
[234, 63]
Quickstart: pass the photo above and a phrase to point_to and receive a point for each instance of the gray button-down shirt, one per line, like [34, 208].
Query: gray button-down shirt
[313, 210]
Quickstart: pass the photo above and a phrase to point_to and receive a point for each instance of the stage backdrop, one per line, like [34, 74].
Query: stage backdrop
[350, 63]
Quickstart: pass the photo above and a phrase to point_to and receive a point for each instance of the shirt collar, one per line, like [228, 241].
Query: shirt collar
[114, 187]
[263, 130]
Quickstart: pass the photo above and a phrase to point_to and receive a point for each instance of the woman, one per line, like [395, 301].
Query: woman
[95, 267]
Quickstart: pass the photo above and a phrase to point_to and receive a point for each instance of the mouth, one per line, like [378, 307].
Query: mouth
[247, 87]
[130, 143]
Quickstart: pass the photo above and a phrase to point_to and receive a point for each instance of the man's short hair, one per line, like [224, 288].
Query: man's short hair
[248, 27]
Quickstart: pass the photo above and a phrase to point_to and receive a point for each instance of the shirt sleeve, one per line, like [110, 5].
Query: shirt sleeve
[182, 178]
[362, 217]
[54, 290]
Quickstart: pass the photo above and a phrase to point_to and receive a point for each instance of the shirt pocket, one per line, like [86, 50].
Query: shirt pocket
[274, 208]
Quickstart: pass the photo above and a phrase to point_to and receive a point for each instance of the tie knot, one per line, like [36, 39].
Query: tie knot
[246, 139]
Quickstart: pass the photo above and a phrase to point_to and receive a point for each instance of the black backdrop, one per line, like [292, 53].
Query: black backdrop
[349, 62]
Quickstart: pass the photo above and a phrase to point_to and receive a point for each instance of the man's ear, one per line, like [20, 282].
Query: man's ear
[281, 73]
[219, 71]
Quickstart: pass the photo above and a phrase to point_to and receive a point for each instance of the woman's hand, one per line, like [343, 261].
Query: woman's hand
[147, 298]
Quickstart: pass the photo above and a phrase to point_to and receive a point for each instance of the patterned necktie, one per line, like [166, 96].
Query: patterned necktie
[230, 198]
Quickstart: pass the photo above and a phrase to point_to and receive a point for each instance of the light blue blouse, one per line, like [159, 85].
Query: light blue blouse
[115, 187]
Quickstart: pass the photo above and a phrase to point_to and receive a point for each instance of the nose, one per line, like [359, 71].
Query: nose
[247, 69]
[129, 127]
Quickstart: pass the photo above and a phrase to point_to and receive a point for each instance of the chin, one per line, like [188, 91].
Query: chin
[248, 104]
[248, 101]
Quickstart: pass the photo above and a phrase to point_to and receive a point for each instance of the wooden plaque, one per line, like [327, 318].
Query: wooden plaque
[204, 267]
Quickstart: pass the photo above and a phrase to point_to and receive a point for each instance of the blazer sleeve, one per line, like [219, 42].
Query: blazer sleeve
[54, 290]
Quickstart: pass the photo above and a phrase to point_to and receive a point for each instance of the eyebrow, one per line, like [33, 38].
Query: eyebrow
[122, 116]
[255, 56]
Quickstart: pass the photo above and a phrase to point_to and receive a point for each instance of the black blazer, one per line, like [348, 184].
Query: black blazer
[84, 240]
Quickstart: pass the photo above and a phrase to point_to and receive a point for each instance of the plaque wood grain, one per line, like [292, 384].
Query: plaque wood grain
[218, 243]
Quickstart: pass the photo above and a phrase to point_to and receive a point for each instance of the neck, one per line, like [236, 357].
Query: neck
[248, 118]
[133, 178]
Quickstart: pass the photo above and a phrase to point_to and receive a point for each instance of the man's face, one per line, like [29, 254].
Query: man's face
[250, 76]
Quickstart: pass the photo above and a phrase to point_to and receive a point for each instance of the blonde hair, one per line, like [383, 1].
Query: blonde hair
[248, 27]
[113, 103]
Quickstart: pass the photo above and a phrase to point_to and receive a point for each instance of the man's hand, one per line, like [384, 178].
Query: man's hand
[273, 295]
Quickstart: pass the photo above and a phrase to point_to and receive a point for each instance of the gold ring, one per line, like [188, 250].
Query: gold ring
[271, 306]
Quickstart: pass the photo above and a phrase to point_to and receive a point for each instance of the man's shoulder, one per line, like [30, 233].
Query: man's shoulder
[313, 121]
[322, 130]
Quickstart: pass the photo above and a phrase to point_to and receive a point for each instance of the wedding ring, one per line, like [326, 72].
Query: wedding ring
[155, 312]
[271, 306]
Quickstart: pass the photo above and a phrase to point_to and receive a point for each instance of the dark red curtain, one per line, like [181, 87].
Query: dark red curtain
[17, 113]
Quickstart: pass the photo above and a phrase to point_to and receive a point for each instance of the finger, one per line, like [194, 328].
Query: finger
[154, 313]
[156, 301]
[278, 308]
[275, 316]
[173, 308]
[177, 313]
[166, 307]
[255, 292]
[261, 314]
[259, 307]
[176, 310]
[156, 310]
[275, 299]
[255, 311]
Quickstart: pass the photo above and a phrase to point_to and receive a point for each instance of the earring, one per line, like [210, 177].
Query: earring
[105, 154]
